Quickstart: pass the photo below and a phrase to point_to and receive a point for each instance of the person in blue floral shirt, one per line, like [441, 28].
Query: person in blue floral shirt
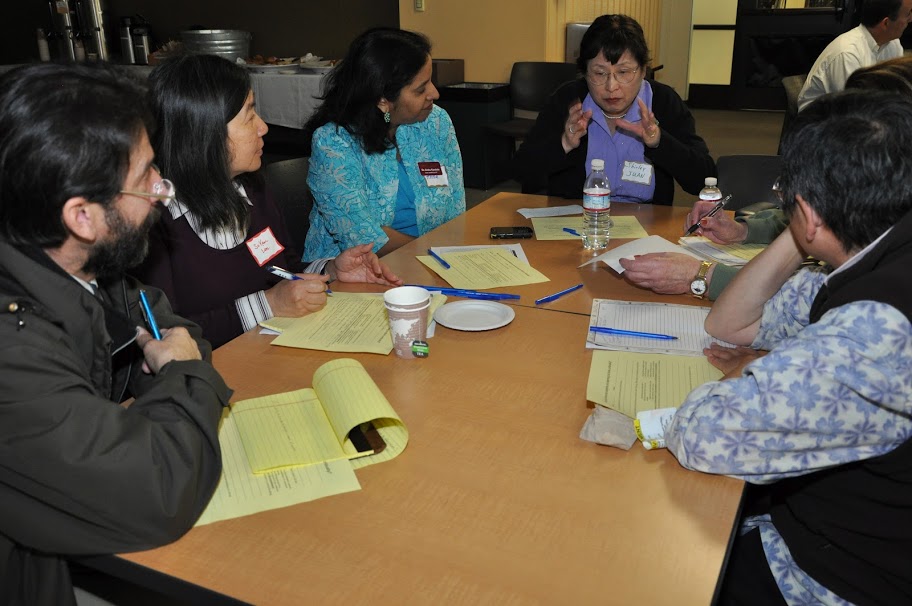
[385, 165]
[816, 414]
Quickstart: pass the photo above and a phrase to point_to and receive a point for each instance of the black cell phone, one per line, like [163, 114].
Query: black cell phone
[515, 232]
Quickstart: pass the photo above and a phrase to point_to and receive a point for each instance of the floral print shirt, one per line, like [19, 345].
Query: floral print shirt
[828, 393]
[355, 192]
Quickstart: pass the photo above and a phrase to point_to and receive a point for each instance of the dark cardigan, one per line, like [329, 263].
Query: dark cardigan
[542, 166]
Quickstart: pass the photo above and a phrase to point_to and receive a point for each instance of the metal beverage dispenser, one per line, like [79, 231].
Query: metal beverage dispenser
[77, 32]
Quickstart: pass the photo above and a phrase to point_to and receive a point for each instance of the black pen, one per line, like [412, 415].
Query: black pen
[712, 213]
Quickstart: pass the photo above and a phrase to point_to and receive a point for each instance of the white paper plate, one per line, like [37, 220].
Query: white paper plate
[474, 315]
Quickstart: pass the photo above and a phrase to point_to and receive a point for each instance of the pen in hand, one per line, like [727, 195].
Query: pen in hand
[148, 316]
[712, 213]
[287, 275]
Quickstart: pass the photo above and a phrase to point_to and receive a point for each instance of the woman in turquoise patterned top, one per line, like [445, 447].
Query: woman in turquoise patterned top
[385, 165]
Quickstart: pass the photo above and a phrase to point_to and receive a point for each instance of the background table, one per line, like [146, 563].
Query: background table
[496, 500]
[286, 99]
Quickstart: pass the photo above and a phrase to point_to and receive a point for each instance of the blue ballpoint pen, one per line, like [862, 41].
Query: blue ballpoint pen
[287, 275]
[558, 295]
[572, 231]
[147, 314]
[469, 294]
[630, 333]
[439, 259]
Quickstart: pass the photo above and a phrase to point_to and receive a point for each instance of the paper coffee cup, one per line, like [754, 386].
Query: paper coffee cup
[408, 308]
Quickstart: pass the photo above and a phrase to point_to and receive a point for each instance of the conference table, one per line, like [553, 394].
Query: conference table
[496, 499]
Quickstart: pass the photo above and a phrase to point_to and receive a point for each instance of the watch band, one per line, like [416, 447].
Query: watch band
[704, 267]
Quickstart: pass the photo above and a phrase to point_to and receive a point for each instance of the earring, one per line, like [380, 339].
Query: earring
[386, 117]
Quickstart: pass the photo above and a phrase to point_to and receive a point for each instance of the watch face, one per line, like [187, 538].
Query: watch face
[698, 287]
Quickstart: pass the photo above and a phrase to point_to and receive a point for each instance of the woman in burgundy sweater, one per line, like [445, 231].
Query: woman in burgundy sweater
[210, 251]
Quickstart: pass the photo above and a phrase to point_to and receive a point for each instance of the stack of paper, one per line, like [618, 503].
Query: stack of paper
[729, 254]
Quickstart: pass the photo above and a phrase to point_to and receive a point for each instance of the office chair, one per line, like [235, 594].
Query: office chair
[793, 86]
[749, 179]
[531, 84]
[287, 180]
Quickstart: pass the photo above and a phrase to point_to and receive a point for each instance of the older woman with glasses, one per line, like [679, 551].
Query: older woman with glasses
[639, 127]
[212, 247]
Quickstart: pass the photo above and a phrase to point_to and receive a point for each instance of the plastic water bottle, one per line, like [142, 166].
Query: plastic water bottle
[596, 207]
[710, 191]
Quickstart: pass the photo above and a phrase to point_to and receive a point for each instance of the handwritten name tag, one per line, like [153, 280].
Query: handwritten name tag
[637, 172]
[434, 174]
[264, 246]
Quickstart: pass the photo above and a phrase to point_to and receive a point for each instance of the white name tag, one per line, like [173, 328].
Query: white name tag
[264, 246]
[637, 172]
[434, 174]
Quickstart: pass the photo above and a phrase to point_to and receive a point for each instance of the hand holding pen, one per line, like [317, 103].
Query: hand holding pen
[698, 221]
[297, 294]
[162, 346]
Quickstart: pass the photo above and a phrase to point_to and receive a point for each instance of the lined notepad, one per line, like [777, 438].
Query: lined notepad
[311, 426]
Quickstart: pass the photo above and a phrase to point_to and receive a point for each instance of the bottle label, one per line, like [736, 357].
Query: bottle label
[711, 196]
[597, 202]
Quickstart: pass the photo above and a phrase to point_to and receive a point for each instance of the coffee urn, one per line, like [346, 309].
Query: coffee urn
[126, 41]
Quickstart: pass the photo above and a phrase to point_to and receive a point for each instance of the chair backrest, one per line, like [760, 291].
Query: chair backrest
[532, 82]
[748, 178]
[793, 86]
[287, 180]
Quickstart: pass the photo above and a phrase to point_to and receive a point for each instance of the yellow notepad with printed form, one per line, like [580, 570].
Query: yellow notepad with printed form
[310, 426]
[484, 268]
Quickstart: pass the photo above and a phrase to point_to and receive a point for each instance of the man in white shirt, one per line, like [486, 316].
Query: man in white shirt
[875, 39]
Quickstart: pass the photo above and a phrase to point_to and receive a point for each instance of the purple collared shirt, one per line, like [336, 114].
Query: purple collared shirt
[619, 148]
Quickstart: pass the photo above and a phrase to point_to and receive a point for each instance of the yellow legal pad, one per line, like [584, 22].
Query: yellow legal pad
[350, 322]
[484, 268]
[552, 228]
[633, 382]
[311, 426]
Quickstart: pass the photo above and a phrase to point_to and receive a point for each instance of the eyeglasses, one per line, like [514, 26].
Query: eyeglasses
[161, 190]
[777, 189]
[622, 76]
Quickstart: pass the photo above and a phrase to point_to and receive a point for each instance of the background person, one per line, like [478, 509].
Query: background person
[374, 138]
[80, 474]
[875, 39]
[210, 250]
[613, 113]
[822, 422]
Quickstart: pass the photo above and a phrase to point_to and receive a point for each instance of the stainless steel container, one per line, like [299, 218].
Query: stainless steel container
[227, 43]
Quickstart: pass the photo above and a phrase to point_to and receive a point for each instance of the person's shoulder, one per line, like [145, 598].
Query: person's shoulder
[332, 134]
[663, 90]
[439, 115]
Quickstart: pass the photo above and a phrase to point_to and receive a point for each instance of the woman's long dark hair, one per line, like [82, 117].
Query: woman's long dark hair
[379, 64]
[194, 97]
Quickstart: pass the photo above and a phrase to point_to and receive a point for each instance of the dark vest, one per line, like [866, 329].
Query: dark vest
[850, 527]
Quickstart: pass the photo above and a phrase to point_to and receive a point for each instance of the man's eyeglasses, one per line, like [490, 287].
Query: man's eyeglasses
[623, 76]
[777, 189]
[161, 190]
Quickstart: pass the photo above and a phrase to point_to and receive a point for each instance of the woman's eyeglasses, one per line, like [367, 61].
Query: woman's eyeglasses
[622, 76]
[161, 190]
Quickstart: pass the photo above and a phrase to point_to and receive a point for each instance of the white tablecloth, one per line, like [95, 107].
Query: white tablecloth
[286, 99]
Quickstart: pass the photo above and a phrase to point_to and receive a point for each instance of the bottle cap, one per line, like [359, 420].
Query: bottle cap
[598, 164]
[710, 181]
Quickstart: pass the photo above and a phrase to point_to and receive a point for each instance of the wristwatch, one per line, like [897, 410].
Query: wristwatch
[698, 286]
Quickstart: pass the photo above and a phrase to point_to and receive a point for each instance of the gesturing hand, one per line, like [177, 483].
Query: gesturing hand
[360, 264]
[576, 126]
[295, 298]
[646, 129]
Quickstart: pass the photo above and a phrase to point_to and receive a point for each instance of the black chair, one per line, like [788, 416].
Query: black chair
[793, 86]
[287, 180]
[749, 179]
[531, 84]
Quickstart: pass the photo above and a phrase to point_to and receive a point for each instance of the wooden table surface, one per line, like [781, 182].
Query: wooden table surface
[496, 499]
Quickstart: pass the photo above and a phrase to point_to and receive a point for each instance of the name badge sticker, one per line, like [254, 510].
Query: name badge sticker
[434, 174]
[637, 172]
[264, 246]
